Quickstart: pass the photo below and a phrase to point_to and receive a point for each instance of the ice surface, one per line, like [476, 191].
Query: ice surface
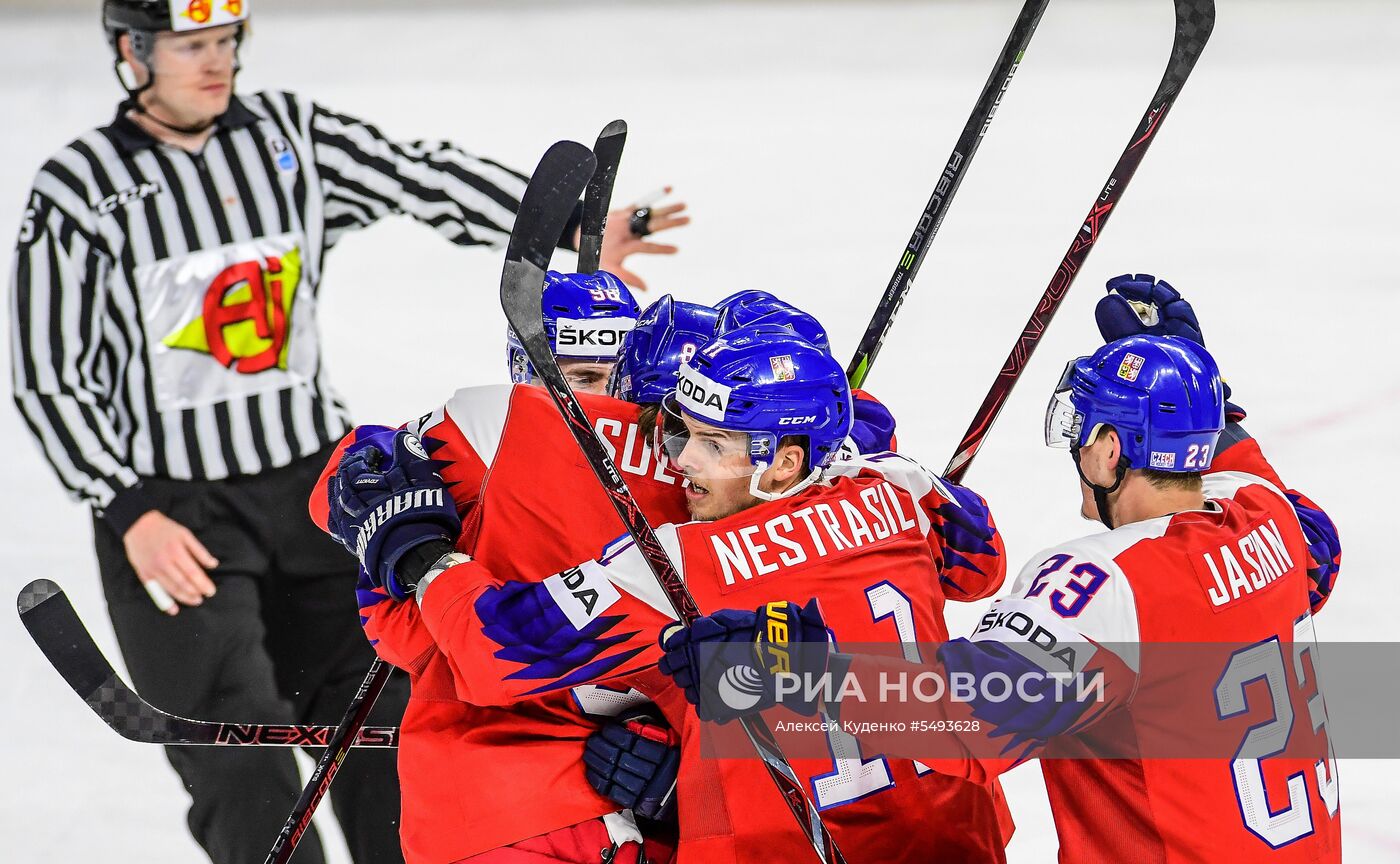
[806, 138]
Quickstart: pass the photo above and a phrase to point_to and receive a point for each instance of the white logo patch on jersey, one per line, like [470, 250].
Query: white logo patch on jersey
[1029, 630]
[583, 593]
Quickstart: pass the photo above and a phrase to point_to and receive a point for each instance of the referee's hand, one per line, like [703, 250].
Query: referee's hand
[619, 241]
[170, 562]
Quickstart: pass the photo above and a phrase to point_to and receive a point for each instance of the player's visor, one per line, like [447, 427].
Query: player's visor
[698, 449]
[1063, 423]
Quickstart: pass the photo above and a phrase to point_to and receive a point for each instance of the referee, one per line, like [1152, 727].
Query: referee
[167, 360]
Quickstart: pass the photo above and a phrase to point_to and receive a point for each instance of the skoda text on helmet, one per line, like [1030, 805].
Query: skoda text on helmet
[1162, 394]
[586, 317]
[765, 381]
[745, 308]
[668, 334]
[141, 20]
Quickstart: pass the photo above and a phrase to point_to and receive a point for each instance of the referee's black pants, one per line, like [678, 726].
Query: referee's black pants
[279, 642]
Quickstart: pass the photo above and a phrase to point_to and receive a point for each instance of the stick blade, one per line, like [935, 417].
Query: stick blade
[549, 199]
[35, 593]
[611, 139]
[55, 627]
[608, 152]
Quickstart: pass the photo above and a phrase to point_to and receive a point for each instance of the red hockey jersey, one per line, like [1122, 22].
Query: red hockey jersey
[883, 543]
[475, 778]
[1201, 622]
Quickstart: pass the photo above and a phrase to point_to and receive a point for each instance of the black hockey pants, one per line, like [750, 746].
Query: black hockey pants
[279, 642]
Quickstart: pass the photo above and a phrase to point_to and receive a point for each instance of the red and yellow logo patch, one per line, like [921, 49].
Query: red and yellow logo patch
[246, 318]
[199, 11]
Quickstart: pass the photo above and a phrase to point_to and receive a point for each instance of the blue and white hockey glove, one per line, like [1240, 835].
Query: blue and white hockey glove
[387, 499]
[634, 760]
[1141, 304]
[729, 664]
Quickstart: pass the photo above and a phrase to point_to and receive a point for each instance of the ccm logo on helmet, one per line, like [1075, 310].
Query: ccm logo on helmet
[796, 421]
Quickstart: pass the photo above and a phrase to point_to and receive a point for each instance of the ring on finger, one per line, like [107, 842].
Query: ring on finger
[640, 223]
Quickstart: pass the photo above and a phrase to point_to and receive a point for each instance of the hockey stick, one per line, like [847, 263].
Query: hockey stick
[337, 748]
[1194, 21]
[953, 172]
[608, 151]
[55, 627]
[543, 212]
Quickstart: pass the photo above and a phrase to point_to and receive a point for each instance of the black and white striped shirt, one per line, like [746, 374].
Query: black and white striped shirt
[164, 302]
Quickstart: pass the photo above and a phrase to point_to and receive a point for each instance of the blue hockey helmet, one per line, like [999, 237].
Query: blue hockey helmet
[586, 316]
[1162, 393]
[668, 333]
[748, 295]
[744, 308]
[768, 382]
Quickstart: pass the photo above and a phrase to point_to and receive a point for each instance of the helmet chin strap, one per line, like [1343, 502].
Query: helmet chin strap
[142, 46]
[1101, 493]
[196, 129]
[758, 493]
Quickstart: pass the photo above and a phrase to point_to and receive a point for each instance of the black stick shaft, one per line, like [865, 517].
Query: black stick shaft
[329, 764]
[522, 281]
[1194, 21]
[953, 173]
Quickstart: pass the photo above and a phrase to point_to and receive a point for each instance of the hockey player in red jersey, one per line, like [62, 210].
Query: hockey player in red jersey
[755, 424]
[513, 437]
[531, 803]
[1205, 546]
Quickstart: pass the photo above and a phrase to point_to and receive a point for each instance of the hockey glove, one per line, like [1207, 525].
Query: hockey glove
[386, 499]
[873, 429]
[634, 761]
[733, 662]
[1144, 305]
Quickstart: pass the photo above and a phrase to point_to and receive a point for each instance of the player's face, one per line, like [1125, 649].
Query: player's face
[194, 75]
[586, 377]
[716, 462]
